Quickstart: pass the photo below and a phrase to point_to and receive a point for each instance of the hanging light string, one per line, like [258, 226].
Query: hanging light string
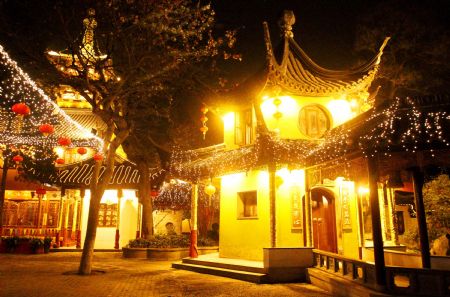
[17, 88]
[402, 125]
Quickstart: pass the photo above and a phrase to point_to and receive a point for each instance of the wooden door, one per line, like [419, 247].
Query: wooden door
[324, 220]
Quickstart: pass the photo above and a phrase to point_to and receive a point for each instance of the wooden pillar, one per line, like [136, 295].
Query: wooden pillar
[421, 218]
[272, 205]
[307, 212]
[193, 252]
[79, 218]
[37, 221]
[380, 272]
[3, 189]
[117, 237]
[139, 216]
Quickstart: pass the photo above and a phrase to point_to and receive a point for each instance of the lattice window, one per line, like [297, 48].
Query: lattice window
[107, 216]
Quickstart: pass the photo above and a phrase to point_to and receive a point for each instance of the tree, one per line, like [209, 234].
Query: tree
[436, 194]
[131, 57]
[415, 60]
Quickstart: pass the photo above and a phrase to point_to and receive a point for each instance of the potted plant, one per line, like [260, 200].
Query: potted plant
[11, 243]
[47, 244]
[37, 245]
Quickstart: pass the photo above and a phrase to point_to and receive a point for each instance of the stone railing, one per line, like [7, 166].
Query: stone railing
[399, 280]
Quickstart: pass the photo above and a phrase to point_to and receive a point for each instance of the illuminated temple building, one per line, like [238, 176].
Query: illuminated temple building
[310, 160]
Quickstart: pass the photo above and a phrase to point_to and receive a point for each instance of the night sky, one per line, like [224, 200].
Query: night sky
[324, 29]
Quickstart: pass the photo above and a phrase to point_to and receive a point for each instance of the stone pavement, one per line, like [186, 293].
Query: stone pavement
[53, 275]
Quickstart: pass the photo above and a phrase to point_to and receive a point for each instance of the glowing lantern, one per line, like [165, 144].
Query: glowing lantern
[21, 109]
[59, 161]
[82, 150]
[17, 159]
[41, 191]
[46, 129]
[210, 189]
[64, 141]
[98, 157]
[203, 119]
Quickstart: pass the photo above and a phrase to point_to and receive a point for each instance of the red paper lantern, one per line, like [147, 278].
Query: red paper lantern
[204, 129]
[17, 159]
[203, 119]
[98, 157]
[21, 109]
[204, 109]
[82, 150]
[60, 161]
[46, 129]
[64, 141]
[41, 191]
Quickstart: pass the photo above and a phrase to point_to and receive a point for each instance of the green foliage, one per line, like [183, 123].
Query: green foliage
[47, 241]
[36, 243]
[436, 194]
[415, 59]
[168, 241]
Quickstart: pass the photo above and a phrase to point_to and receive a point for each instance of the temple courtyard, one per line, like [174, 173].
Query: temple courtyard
[54, 275]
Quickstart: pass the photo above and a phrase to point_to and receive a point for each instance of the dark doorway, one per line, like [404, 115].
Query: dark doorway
[324, 220]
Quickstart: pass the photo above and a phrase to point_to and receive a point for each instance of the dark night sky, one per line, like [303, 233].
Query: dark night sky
[324, 29]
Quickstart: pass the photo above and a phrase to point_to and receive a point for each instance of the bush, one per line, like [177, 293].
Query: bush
[36, 243]
[168, 241]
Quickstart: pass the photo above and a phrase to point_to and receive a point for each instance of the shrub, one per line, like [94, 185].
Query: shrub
[36, 243]
[168, 241]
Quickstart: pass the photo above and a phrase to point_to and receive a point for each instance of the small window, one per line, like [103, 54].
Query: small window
[247, 205]
[313, 121]
[107, 216]
[244, 127]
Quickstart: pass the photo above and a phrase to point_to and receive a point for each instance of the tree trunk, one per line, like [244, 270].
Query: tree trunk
[3, 189]
[97, 189]
[146, 200]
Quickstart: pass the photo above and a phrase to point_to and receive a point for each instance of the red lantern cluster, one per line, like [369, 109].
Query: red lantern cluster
[82, 150]
[98, 157]
[17, 159]
[64, 141]
[60, 161]
[21, 109]
[46, 129]
[203, 120]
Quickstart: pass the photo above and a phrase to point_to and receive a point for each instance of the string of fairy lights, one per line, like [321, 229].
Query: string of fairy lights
[403, 125]
[43, 114]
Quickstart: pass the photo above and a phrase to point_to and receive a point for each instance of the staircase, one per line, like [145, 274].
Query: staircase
[250, 271]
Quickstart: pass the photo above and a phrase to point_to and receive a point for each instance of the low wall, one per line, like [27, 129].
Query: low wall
[409, 260]
[164, 254]
[287, 264]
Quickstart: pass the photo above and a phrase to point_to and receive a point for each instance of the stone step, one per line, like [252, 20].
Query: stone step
[339, 286]
[231, 266]
[247, 276]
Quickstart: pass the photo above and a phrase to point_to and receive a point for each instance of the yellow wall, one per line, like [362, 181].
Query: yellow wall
[246, 238]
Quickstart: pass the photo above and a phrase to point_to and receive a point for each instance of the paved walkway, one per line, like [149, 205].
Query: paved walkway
[52, 275]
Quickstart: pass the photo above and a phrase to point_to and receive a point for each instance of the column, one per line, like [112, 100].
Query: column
[421, 218]
[79, 218]
[193, 252]
[380, 272]
[139, 218]
[272, 201]
[307, 212]
[117, 237]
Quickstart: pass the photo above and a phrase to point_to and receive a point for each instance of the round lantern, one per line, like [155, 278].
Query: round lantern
[17, 159]
[204, 109]
[82, 150]
[20, 109]
[204, 129]
[64, 141]
[41, 191]
[46, 129]
[59, 161]
[210, 189]
[203, 119]
[98, 157]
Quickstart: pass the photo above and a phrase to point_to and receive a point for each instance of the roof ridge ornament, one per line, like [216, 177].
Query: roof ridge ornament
[89, 24]
[286, 22]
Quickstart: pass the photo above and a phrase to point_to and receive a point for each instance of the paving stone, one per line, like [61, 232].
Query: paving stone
[46, 275]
